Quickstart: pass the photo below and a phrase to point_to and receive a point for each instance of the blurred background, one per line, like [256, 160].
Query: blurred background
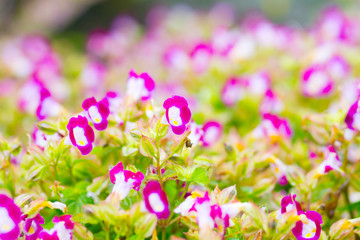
[59, 17]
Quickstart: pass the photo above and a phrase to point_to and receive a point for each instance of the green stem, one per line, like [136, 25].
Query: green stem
[163, 233]
[180, 200]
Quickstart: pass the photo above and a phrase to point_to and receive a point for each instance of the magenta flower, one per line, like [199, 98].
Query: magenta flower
[93, 75]
[156, 200]
[114, 100]
[352, 119]
[201, 56]
[62, 230]
[279, 169]
[331, 162]
[36, 48]
[258, 83]
[273, 127]
[289, 203]
[308, 228]
[48, 107]
[232, 92]
[41, 139]
[125, 180]
[29, 96]
[223, 40]
[10, 219]
[271, 103]
[316, 82]
[176, 58]
[81, 134]
[177, 114]
[32, 227]
[139, 86]
[98, 43]
[212, 133]
[196, 133]
[97, 112]
[338, 67]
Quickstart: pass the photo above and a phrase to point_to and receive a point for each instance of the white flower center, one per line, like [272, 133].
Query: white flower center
[211, 134]
[316, 83]
[94, 114]
[174, 116]
[136, 88]
[309, 229]
[79, 135]
[156, 203]
[6, 223]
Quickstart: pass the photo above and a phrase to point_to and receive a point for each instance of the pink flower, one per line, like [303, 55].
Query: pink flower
[271, 103]
[10, 219]
[331, 162]
[201, 56]
[32, 227]
[273, 127]
[232, 92]
[212, 133]
[316, 82]
[289, 203]
[258, 83]
[139, 86]
[41, 139]
[308, 228]
[97, 112]
[352, 119]
[177, 114]
[338, 67]
[176, 58]
[81, 134]
[156, 200]
[97, 43]
[115, 101]
[196, 132]
[29, 96]
[93, 75]
[48, 107]
[279, 169]
[125, 180]
[62, 230]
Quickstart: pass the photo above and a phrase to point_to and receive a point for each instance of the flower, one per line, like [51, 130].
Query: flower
[139, 86]
[352, 119]
[41, 139]
[338, 67]
[177, 114]
[232, 92]
[125, 180]
[47, 107]
[279, 169]
[156, 200]
[258, 83]
[62, 230]
[97, 112]
[289, 203]
[212, 133]
[10, 219]
[32, 227]
[81, 134]
[271, 103]
[316, 82]
[201, 56]
[185, 207]
[93, 75]
[273, 127]
[331, 162]
[308, 228]
[115, 101]
[196, 132]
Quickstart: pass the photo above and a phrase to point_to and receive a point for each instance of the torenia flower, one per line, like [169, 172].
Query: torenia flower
[279, 169]
[32, 227]
[289, 203]
[62, 230]
[177, 114]
[232, 92]
[212, 133]
[196, 132]
[271, 103]
[93, 75]
[97, 112]
[140, 86]
[156, 200]
[201, 57]
[125, 180]
[41, 139]
[258, 83]
[316, 82]
[338, 67]
[185, 207]
[115, 101]
[331, 162]
[81, 134]
[48, 107]
[273, 127]
[352, 119]
[308, 228]
[10, 217]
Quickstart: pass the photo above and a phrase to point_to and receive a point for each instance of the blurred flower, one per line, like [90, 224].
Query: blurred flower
[232, 92]
[97, 112]
[156, 200]
[271, 103]
[331, 162]
[41, 139]
[125, 180]
[200, 57]
[196, 132]
[81, 134]
[62, 230]
[273, 127]
[48, 107]
[289, 203]
[177, 114]
[10, 219]
[316, 82]
[212, 133]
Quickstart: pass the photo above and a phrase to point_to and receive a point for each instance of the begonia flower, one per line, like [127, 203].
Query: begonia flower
[177, 113]
[125, 180]
[62, 230]
[97, 112]
[81, 134]
[10, 218]
[140, 86]
[155, 200]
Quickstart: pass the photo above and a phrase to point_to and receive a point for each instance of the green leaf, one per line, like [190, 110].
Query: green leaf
[200, 176]
[147, 147]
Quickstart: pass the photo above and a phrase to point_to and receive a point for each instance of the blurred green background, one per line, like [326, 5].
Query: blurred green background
[59, 17]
